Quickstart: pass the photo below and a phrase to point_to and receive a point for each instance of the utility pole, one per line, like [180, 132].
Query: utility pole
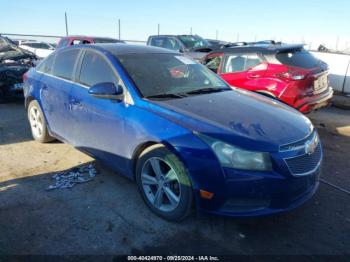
[65, 18]
[158, 29]
[119, 29]
[191, 31]
[237, 37]
[217, 34]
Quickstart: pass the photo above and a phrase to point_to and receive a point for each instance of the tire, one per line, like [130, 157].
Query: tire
[37, 123]
[168, 192]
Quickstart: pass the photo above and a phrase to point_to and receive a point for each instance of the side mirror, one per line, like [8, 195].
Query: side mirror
[107, 90]
[181, 50]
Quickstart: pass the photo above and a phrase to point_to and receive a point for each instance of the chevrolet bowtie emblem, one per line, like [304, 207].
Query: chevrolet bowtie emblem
[310, 146]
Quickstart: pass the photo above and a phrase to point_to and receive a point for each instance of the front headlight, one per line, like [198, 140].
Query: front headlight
[234, 157]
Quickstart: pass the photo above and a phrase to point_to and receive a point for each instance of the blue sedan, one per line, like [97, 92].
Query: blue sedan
[176, 128]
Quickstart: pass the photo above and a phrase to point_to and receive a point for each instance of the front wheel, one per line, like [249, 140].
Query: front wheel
[163, 183]
[37, 123]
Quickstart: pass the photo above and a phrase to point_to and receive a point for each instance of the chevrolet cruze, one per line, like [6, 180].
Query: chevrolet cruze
[176, 128]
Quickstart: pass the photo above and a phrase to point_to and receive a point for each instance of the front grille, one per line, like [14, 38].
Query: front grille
[304, 164]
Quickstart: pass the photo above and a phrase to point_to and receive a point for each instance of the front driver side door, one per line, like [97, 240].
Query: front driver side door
[98, 122]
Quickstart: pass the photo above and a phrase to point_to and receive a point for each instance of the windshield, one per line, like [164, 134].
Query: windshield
[160, 74]
[298, 58]
[193, 41]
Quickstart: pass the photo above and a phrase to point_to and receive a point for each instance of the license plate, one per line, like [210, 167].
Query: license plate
[18, 86]
[321, 83]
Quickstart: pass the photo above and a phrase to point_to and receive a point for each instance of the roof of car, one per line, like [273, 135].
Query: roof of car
[122, 49]
[170, 35]
[261, 48]
[87, 36]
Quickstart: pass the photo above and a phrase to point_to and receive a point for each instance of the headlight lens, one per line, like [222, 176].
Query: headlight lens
[231, 156]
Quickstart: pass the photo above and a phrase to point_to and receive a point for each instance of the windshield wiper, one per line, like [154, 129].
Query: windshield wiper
[208, 90]
[165, 96]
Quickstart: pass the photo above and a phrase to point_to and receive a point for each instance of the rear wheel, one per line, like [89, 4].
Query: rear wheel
[38, 123]
[163, 183]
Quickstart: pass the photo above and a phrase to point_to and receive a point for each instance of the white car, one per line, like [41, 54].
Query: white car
[41, 49]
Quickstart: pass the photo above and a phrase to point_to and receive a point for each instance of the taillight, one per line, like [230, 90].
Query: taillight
[291, 75]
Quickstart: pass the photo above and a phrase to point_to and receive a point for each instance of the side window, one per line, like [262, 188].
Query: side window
[213, 62]
[76, 42]
[95, 69]
[157, 41]
[252, 60]
[28, 44]
[172, 43]
[64, 63]
[241, 62]
[46, 65]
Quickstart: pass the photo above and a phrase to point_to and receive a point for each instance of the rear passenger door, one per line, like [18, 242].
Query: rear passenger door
[56, 90]
[243, 70]
[98, 122]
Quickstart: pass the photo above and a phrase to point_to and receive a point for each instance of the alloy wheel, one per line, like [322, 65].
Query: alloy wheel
[36, 121]
[161, 184]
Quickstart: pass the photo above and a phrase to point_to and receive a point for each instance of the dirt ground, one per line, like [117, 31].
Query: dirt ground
[107, 215]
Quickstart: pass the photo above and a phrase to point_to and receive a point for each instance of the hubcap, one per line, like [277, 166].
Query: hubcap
[36, 121]
[161, 184]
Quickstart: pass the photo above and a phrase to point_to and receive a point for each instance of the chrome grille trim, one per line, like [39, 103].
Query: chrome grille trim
[299, 144]
[305, 164]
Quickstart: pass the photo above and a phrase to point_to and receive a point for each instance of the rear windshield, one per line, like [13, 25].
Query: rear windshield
[38, 45]
[194, 41]
[298, 58]
[105, 40]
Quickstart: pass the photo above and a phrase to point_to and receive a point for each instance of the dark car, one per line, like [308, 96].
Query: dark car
[285, 72]
[177, 128]
[193, 46]
[77, 40]
[14, 62]
[215, 42]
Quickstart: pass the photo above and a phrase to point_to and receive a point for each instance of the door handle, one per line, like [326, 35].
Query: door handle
[74, 101]
[74, 104]
[254, 75]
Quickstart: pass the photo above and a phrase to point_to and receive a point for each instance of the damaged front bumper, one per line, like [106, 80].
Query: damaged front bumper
[14, 63]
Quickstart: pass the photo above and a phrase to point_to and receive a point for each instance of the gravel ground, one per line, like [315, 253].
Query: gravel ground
[107, 215]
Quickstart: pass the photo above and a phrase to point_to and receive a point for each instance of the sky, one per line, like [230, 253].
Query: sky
[308, 21]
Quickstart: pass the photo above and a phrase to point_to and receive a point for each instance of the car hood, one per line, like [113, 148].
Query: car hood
[239, 117]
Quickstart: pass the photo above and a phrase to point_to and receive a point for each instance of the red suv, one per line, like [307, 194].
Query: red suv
[78, 40]
[285, 72]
